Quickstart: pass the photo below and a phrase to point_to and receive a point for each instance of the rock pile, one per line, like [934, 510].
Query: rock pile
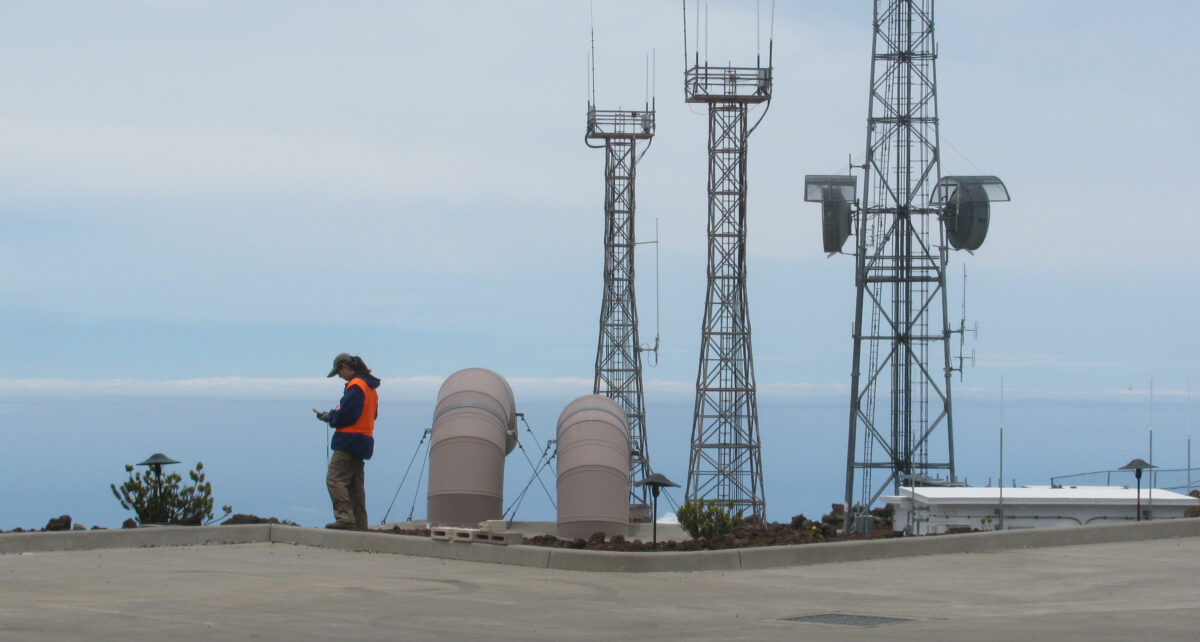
[800, 530]
[60, 523]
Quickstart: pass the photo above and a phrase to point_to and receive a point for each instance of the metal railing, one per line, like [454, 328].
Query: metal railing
[608, 123]
[727, 84]
[1173, 479]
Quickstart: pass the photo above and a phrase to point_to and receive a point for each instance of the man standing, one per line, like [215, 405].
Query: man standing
[353, 441]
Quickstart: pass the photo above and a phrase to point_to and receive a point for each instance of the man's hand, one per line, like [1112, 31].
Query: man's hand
[323, 416]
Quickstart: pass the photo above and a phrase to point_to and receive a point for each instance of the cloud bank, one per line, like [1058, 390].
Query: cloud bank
[424, 389]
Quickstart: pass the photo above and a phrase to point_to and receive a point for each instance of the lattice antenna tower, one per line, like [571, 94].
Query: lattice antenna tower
[907, 215]
[725, 463]
[618, 353]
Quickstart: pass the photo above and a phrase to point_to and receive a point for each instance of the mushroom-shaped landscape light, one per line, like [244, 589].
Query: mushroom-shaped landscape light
[155, 462]
[1136, 466]
[656, 481]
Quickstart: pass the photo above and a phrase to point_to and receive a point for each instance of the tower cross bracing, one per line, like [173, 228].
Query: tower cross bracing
[901, 313]
[618, 353]
[909, 218]
[725, 462]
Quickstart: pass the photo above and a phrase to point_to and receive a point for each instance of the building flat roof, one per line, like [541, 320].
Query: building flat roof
[1043, 495]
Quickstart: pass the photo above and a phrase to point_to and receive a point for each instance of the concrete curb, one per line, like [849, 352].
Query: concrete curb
[132, 538]
[599, 561]
[536, 556]
[615, 562]
[775, 556]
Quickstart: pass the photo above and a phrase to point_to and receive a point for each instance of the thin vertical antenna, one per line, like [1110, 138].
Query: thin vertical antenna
[592, 67]
[772, 20]
[1150, 491]
[1001, 484]
[657, 289]
[647, 81]
[962, 327]
[771, 41]
[964, 299]
[706, 34]
[1189, 435]
[758, 29]
[685, 60]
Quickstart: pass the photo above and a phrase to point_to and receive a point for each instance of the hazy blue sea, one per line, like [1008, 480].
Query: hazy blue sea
[268, 457]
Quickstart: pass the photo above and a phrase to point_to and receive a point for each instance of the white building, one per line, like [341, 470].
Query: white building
[926, 510]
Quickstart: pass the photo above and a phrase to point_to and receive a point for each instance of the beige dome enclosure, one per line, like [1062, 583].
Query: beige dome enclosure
[593, 468]
[474, 427]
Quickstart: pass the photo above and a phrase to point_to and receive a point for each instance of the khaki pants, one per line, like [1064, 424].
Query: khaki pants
[346, 490]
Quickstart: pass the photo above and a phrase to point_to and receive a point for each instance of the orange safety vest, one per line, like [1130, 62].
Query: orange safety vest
[365, 424]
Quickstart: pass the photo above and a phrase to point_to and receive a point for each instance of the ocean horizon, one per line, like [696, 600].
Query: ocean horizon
[267, 457]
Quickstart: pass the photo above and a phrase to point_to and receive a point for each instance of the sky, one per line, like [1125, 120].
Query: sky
[205, 201]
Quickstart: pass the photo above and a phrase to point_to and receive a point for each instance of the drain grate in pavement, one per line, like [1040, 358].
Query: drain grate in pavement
[845, 619]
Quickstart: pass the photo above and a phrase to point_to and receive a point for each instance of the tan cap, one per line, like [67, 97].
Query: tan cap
[338, 362]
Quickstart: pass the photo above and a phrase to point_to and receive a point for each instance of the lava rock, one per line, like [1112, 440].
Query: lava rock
[61, 523]
[242, 518]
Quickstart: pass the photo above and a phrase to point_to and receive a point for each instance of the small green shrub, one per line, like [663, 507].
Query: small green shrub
[707, 519]
[169, 503]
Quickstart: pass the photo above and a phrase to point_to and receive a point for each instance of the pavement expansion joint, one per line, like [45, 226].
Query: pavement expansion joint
[847, 619]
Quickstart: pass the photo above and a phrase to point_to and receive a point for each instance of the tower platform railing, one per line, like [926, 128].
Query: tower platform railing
[705, 84]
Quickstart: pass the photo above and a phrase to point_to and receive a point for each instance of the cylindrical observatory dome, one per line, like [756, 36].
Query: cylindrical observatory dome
[593, 468]
[474, 427]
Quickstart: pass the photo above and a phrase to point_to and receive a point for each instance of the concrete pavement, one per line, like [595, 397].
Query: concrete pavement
[1145, 588]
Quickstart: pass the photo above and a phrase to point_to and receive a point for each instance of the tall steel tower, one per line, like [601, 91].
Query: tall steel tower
[618, 355]
[726, 462]
[908, 213]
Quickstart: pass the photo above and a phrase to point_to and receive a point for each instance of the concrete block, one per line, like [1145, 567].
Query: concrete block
[451, 534]
[503, 538]
[494, 525]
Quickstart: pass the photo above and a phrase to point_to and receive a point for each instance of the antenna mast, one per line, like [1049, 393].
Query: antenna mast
[1001, 484]
[907, 215]
[618, 353]
[725, 462]
[1189, 436]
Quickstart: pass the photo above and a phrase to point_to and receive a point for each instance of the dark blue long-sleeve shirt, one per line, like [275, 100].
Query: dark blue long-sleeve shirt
[347, 412]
